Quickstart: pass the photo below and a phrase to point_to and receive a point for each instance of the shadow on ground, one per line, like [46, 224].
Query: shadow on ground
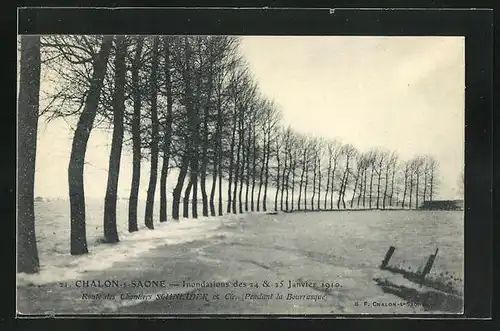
[431, 300]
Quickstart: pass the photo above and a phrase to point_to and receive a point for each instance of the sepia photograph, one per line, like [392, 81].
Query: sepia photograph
[241, 175]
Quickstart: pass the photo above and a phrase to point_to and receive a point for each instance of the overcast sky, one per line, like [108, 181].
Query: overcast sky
[400, 93]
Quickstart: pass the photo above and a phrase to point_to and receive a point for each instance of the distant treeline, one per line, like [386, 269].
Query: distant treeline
[191, 103]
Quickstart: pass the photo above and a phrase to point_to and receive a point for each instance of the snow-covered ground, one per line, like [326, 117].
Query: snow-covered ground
[337, 247]
[53, 235]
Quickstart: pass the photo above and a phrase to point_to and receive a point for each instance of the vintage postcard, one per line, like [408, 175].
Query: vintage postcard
[219, 174]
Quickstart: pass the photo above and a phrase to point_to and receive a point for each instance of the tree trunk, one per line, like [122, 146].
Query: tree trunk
[153, 173]
[277, 178]
[392, 184]
[264, 199]
[217, 160]
[220, 182]
[262, 171]
[194, 174]
[431, 189]
[248, 159]
[283, 177]
[110, 230]
[242, 170]
[185, 200]
[345, 183]
[163, 184]
[411, 189]
[355, 187]
[193, 180]
[254, 166]
[329, 169]
[176, 193]
[219, 155]
[204, 155]
[188, 143]
[378, 182]
[288, 181]
[319, 182]
[314, 183]
[301, 182]
[194, 203]
[194, 126]
[237, 165]
[342, 183]
[306, 184]
[364, 187]
[214, 184]
[405, 188]
[231, 161]
[416, 189]
[293, 182]
[386, 185]
[167, 133]
[136, 140]
[425, 184]
[333, 182]
[360, 186]
[79, 148]
[28, 109]
[371, 187]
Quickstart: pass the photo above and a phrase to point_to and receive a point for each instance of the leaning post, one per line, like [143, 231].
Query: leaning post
[428, 266]
[388, 256]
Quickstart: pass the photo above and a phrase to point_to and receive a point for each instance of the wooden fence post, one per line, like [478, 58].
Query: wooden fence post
[428, 266]
[388, 256]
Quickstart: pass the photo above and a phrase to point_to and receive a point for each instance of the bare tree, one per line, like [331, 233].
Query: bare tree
[433, 183]
[390, 162]
[265, 147]
[286, 164]
[412, 182]
[148, 218]
[231, 153]
[337, 153]
[278, 147]
[360, 164]
[350, 152]
[330, 150]
[301, 145]
[381, 158]
[136, 137]
[394, 166]
[272, 117]
[258, 116]
[182, 59]
[372, 157]
[417, 167]
[289, 154]
[294, 152]
[319, 156]
[224, 57]
[110, 230]
[167, 129]
[79, 148]
[314, 149]
[28, 111]
[407, 171]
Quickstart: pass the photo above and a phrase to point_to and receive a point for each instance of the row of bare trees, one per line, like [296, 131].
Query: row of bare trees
[191, 104]
[328, 170]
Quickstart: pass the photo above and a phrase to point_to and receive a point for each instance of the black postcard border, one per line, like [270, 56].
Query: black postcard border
[475, 25]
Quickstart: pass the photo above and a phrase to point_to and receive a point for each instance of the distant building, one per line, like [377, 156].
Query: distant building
[443, 205]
